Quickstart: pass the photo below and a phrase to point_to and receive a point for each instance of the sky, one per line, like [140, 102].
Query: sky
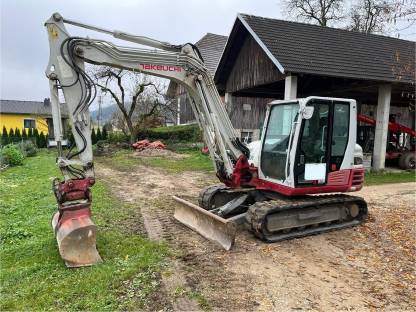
[24, 49]
[24, 43]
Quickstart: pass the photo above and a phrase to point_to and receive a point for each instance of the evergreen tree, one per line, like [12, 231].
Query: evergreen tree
[99, 135]
[24, 135]
[42, 140]
[71, 138]
[93, 136]
[17, 135]
[11, 135]
[36, 137]
[30, 136]
[105, 133]
[4, 137]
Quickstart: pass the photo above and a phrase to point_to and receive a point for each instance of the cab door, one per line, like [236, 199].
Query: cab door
[322, 142]
[312, 150]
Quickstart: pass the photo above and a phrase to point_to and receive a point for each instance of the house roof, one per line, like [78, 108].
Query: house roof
[29, 107]
[211, 47]
[311, 49]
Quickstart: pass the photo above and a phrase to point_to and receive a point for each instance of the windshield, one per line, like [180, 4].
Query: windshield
[279, 126]
[276, 139]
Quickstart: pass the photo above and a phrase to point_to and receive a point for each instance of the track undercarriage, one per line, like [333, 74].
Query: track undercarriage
[270, 216]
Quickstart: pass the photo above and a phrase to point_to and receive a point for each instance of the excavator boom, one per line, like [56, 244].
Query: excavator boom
[74, 229]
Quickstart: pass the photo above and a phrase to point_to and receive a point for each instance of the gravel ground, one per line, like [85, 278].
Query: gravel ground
[367, 268]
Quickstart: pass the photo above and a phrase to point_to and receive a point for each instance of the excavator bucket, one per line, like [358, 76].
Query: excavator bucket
[76, 237]
[207, 224]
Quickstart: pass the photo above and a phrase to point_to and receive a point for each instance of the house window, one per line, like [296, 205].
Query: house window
[29, 123]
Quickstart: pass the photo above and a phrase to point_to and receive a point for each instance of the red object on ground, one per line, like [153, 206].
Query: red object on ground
[205, 150]
[146, 144]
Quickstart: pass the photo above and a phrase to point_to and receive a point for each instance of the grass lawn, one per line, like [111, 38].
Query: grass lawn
[384, 177]
[33, 276]
[124, 160]
[196, 161]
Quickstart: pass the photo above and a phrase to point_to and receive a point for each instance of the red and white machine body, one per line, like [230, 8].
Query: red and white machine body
[307, 146]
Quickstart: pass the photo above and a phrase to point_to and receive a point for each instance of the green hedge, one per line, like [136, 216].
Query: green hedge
[17, 136]
[186, 133]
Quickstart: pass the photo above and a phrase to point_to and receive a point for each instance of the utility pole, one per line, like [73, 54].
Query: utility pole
[99, 115]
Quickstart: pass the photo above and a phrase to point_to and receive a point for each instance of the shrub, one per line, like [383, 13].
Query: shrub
[186, 133]
[11, 155]
[11, 135]
[4, 137]
[27, 148]
[104, 135]
[71, 138]
[118, 137]
[17, 135]
[93, 136]
[41, 142]
[24, 135]
[99, 135]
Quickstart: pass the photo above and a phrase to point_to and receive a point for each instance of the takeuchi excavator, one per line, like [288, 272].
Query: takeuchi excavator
[308, 147]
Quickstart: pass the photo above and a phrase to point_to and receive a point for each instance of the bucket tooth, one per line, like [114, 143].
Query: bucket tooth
[216, 229]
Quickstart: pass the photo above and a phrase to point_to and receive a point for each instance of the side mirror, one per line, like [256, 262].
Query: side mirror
[307, 112]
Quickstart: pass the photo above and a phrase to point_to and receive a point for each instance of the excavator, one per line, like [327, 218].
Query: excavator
[308, 147]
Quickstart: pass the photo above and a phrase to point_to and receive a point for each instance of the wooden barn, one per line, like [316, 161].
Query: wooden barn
[266, 59]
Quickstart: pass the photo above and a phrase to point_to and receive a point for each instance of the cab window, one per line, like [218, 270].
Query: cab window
[276, 140]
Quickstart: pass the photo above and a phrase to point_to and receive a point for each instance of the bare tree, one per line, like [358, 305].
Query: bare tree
[321, 12]
[138, 97]
[403, 14]
[370, 16]
[382, 16]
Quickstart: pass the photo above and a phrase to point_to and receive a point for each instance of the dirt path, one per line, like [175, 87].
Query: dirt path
[365, 268]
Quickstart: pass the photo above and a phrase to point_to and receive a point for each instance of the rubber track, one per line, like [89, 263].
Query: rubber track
[207, 193]
[257, 213]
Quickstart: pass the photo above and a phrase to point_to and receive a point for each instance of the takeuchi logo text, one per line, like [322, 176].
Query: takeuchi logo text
[161, 67]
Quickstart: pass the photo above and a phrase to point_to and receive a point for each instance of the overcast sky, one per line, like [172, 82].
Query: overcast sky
[24, 46]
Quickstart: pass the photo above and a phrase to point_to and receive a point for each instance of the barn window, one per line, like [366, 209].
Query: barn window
[246, 107]
[29, 123]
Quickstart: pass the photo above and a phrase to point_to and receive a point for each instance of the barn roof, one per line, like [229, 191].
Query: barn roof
[29, 107]
[211, 47]
[311, 49]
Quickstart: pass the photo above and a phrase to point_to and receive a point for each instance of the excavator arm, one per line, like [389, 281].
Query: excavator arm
[183, 64]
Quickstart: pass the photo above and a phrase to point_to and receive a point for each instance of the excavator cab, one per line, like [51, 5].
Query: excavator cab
[306, 140]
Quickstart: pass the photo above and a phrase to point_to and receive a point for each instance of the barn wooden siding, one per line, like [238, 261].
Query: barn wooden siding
[247, 119]
[186, 113]
[237, 108]
[252, 68]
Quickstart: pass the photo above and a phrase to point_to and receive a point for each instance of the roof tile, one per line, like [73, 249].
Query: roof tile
[28, 107]
[313, 49]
